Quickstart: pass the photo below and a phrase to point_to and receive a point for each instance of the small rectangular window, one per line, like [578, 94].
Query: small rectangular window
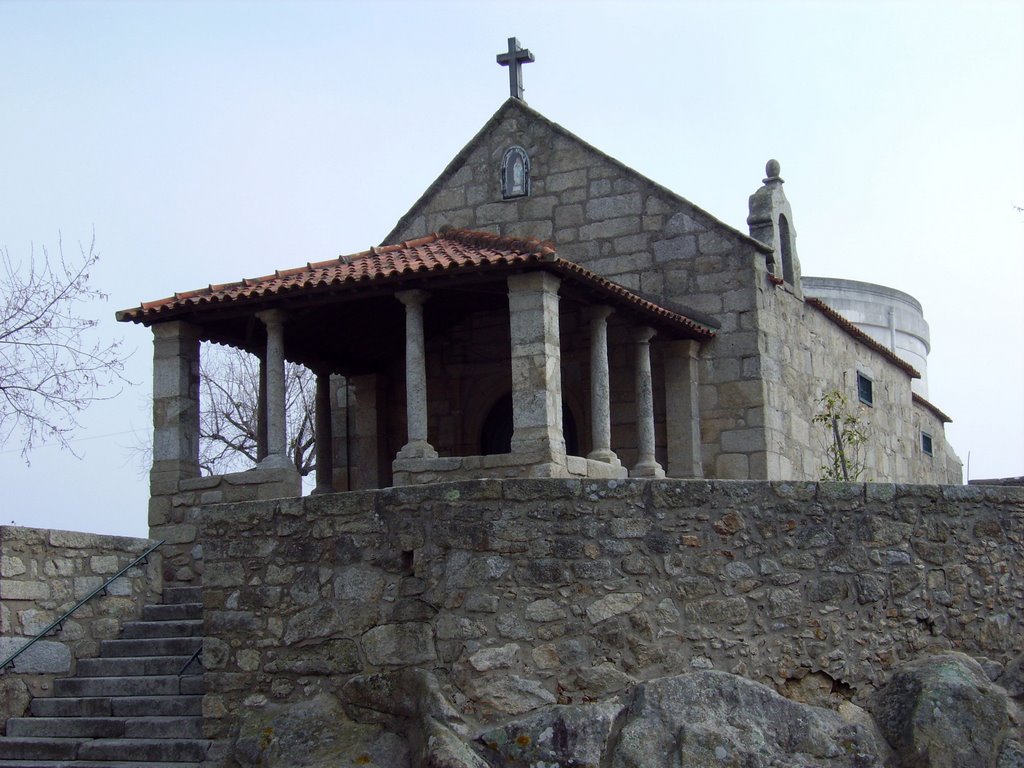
[864, 389]
[926, 443]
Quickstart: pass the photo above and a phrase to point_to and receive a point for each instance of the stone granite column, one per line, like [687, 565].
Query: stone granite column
[682, 408]
[600, 389]
[261, 412]
[324, 434]
[536, 367]
[646, 465]
[417, 446]
[175, 406]
[277, 445]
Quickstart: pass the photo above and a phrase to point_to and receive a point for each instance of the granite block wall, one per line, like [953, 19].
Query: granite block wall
[174, 506]
[522, 593]
[624, 227]
[806, 356]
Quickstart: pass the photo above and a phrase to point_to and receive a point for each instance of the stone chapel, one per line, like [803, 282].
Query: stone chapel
[545, 311]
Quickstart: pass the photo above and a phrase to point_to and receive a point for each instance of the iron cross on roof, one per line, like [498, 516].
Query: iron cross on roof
[514, 60]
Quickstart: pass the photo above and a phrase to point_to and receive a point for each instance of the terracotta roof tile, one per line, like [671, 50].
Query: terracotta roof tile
[453, 251]
[862, 337]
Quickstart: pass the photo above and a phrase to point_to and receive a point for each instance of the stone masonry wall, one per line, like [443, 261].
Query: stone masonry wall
[45, 572]
[523, 593]
[810, 356]
[624, 227]
[172, 515]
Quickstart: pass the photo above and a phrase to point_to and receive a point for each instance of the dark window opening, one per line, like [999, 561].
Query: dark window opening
[864, 390]
[926, 443]
[786, 246]
[496, 435]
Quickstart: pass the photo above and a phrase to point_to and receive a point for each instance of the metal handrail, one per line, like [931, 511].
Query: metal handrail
[191, 658]
[59, 622]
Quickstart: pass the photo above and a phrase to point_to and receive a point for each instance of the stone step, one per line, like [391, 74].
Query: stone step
[90, 764]
[140, 685]
[66, 727]
[172, 612]
[129, 707]
[136, 665]
[153, 646]
[27, 748]
[60, 707]
[37, 748]
[177, 595]
[144, 750]
[107, 727]
[133, 630]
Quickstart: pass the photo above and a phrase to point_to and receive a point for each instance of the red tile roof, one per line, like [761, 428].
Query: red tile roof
[862, 337]
[453, 251]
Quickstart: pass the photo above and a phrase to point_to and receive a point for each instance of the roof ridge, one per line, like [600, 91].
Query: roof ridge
[482, 239]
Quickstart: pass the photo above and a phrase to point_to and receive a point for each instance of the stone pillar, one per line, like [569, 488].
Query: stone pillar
[368, 456]
[417, 446]
[261, 412]
[277, 444]
[324, 434]
[536, 366]
[646, 465]
[175, 406]
[341, 433]
[600, 389]
[682, 408]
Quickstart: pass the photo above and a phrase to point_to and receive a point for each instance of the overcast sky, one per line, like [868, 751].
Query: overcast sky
[204, 142]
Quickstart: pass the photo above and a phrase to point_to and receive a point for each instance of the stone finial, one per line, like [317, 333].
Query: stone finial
[771, 222]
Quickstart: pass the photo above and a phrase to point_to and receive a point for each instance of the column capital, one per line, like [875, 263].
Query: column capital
[643, 334]
[597, 312]
[412, 297]
[534, 281]
[271, 317]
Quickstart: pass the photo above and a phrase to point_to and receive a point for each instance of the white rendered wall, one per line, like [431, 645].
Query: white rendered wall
[892, 318]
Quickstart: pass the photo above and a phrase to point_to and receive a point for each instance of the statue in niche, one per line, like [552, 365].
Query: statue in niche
[515, 173]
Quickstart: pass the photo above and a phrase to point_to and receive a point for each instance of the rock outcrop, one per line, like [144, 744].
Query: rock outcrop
[937, 712]
[943, 712]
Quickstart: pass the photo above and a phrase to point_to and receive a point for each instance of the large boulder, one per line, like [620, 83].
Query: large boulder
[314, 733]
[712, 718]
[564, 735]
[942, 712]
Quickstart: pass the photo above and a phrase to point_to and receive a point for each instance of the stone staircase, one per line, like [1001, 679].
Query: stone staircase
[130, 706]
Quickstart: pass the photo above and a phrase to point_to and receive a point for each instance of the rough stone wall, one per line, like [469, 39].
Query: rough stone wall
[522, 593]
[807, 355]
[626, 228]
[45, 572]
[173, 515]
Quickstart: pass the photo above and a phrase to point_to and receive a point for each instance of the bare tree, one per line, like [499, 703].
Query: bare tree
[51, 366]
[228, 422]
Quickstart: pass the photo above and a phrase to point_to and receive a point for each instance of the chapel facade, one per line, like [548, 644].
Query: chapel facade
[545, 311]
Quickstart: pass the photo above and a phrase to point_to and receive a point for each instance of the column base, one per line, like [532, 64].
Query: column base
[605, 456]
[647, 469]
[275, 461]
[417, 449]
